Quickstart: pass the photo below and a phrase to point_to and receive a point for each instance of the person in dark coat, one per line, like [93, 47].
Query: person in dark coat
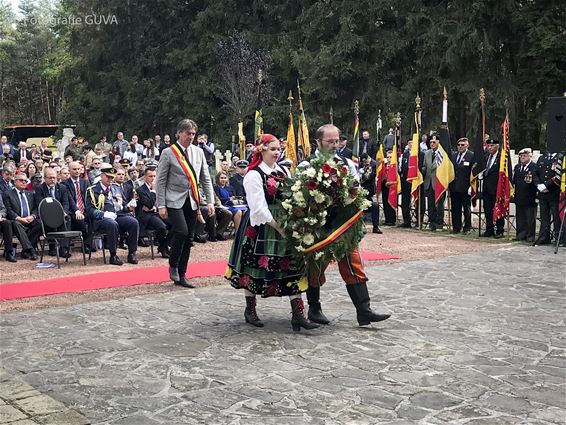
[368, 168]
[490, 179]
[343, 150]
[463, 160]
[237, 180]
[7, 233]
[525, 181]
[549, 171]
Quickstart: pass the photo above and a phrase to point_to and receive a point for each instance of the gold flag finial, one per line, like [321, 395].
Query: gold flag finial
[418, 101]
[482, 94]
[290, 98]
[445, 93]
[356, 107]
[398, 119]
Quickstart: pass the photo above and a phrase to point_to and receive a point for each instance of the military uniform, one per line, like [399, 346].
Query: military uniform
[525, 181]
[549, 171]
[101, 200]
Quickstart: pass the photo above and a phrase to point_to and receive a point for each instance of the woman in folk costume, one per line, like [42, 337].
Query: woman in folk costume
[260, 262]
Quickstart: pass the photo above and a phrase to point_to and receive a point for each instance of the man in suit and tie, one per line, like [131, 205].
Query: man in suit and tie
[108, 213]
[22, 153]
[430, 163]
[147, 214]
[343, 150]
[7, 233]
[181, 168]
[22, 210]
[51, 189]
[463, 160]
[489, 194]
[76, 189]
[525, 181]
[6, 182]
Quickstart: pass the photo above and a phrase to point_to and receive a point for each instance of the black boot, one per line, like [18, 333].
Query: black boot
[250, 314]
[360, 297]
[315, 310]
[298, 320]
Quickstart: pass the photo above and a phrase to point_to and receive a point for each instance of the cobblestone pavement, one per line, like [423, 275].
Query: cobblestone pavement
[474, 339]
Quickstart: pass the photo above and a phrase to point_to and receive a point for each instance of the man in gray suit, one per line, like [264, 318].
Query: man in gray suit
[176, 199]
[435, 209]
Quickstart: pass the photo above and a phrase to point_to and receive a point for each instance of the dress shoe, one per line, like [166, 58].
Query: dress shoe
[487, 234]
[220, 237]
[32, 255]
[123, 245]
[377, 230]
[11, 258]
[87, 250]
[184, 282]
[115, 260]
[174, 274]
[25, 255]
[212, 239]
[64, 253]
[132, 259]
[199, 239]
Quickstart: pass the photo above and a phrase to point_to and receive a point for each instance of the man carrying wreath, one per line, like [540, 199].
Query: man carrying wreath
[350, 266]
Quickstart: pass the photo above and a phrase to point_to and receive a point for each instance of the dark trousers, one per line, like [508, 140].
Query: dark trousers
[461, 203]
[27, 234]
[548, 214]
[488, 206]
[526, 220]
[435, 210]
[80, 226]
[389, 212]
[218, 223]
[113, 228]
[7, 235]
[406, 201]
[152, 221]
[183, 222]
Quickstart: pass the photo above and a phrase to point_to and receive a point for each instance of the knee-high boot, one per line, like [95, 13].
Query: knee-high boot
[360, 297]
[299, 320]
[315, 310]
[250, 314]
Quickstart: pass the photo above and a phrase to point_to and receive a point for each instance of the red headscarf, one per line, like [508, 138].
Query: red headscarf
[264, 141]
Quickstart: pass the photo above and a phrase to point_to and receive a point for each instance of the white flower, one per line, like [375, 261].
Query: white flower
[287, 205]
[308, 239]
[326, 183]
[297, 186]
[298, 196]
[318, 197]
[300, 248]
[318, 255]
[311, 172]
[296, 235]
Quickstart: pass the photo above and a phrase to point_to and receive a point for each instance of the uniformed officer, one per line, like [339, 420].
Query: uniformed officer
[108, 213]
[525, 181]
[549, 170]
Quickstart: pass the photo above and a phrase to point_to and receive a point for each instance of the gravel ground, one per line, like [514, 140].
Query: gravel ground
[406, 244]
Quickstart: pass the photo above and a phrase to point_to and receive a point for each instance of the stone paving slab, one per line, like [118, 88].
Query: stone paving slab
[474, 339]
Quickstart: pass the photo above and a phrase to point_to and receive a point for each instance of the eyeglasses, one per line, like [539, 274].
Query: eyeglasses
[21, 180]
[332, 141]
[461, 144]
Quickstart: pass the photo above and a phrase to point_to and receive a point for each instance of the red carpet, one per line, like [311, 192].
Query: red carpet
[111, 279]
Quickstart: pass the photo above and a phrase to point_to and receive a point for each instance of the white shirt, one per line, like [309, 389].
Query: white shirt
[255, 194]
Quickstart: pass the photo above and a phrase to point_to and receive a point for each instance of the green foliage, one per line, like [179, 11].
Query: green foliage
[158, 63]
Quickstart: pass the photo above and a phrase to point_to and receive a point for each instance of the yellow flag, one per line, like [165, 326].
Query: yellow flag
[241, 138]
[303, 132]
[291, 151]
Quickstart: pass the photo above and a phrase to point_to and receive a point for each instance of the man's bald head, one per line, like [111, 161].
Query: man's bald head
[328, 138]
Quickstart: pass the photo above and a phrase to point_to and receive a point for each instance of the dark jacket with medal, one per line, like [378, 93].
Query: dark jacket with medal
[99, 200]
[525, 181]
[549, 171]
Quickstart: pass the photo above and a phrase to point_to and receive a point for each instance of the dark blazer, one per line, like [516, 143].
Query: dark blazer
[237, 185]
[145, 199]
[12, 203]
[96, 195]
[525, 183]
[548, 166]
[61, 194]
[367, 177]
[491, 176]
[3, 186]
[370, 146]
[345, 152]
[18, 156]
[128, 188]
[462, 171]
[71, 190]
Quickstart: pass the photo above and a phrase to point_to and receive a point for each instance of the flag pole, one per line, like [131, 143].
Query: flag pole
[418, 130]
[445, 122]
[506, 147]
[331, 116]
[398, 141]
[480, 182]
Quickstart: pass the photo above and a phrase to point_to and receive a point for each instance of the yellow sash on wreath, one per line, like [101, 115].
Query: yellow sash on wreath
[187, 168]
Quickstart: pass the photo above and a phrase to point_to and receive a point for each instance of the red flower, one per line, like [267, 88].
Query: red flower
[244, 281]
[326, 168]
[344, 169]
[272, 289]
[251, 233]
[284, 264]
[263, 262]
[312, 184]
[339, 180]
[271, 186]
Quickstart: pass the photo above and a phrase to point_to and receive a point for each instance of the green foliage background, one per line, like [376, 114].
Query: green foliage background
[157, 64]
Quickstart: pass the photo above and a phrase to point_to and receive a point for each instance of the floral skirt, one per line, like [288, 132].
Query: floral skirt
[261, 263]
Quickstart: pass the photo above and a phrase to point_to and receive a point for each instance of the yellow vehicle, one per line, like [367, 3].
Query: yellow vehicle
[34, 134]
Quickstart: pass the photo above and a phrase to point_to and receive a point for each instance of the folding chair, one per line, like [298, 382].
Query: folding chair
[52, 215]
